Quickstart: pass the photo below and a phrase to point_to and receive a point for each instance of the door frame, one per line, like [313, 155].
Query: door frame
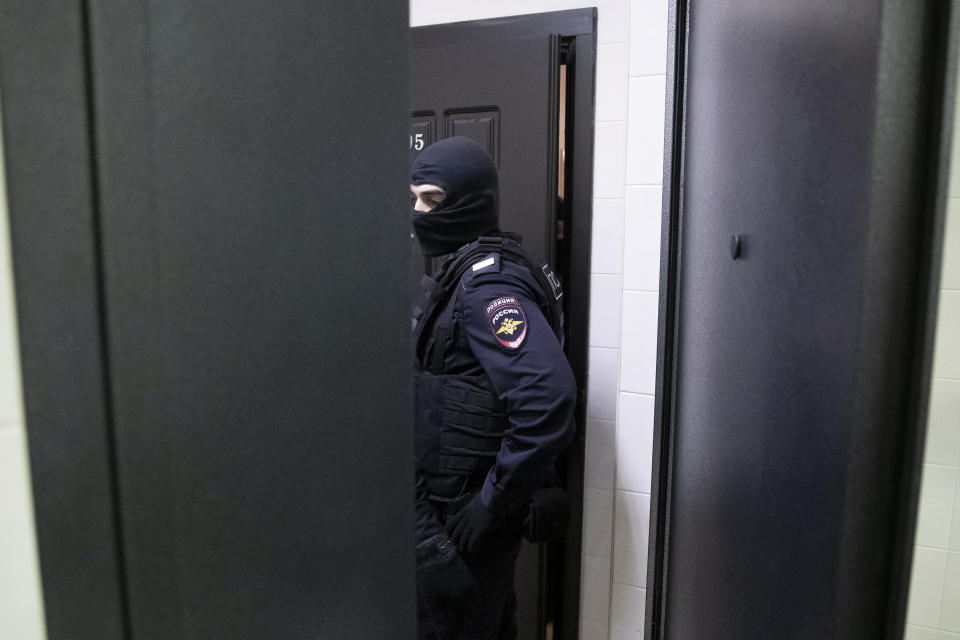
[577, 29]
[940, 96]
[54, 233]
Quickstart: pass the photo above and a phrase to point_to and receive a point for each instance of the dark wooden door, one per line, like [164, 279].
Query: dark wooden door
[503, 94]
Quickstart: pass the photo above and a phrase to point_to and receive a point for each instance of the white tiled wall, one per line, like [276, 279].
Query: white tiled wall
[628, 169]
[626, 244]
[21, 607]
[934, 608]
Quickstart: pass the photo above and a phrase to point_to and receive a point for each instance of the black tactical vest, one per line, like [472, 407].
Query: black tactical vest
[460, 420]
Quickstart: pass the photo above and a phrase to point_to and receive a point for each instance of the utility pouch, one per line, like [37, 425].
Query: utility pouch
[546, 515]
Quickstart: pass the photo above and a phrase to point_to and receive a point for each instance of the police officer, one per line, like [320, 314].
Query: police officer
[495, 398]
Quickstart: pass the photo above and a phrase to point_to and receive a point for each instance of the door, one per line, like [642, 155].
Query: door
[507, 84]
[793, 373]
[508, 105]
[216, 371]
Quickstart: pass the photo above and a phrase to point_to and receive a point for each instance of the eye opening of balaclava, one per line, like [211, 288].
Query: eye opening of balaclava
[470, 207]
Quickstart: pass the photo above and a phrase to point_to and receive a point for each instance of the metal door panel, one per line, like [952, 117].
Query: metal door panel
[804, 211]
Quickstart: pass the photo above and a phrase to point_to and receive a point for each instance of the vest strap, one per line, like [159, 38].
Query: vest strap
[473, 398]
[462, 464]
[481, 425]
[470, 445]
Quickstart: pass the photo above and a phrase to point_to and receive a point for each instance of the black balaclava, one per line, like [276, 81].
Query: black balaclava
[469, 210]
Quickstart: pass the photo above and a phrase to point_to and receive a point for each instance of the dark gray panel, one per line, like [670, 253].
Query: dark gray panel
[810, 130]
[764, 374]
[252, 164]
[53, 221]
[480, 125]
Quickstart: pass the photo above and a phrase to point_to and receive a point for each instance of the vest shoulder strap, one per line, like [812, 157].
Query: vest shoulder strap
[435, 293]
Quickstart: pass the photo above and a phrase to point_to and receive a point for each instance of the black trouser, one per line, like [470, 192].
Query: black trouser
[492, 611]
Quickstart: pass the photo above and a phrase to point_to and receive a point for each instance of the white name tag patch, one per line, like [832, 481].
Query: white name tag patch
[483, 263]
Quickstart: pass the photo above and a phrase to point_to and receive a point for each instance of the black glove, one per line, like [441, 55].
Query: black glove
[445, 584]
[546, 515]
[472, 525]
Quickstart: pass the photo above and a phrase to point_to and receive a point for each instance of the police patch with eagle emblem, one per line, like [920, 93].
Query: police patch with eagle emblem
[507, 321]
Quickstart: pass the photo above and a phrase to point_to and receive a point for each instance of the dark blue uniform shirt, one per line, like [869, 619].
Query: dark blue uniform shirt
[500, 331]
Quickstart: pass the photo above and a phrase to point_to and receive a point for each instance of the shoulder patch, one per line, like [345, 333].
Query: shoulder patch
[507, 321]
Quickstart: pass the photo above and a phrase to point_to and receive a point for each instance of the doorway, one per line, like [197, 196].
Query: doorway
[530, 105]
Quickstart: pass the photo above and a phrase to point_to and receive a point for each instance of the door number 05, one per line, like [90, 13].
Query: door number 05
[416, 142]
